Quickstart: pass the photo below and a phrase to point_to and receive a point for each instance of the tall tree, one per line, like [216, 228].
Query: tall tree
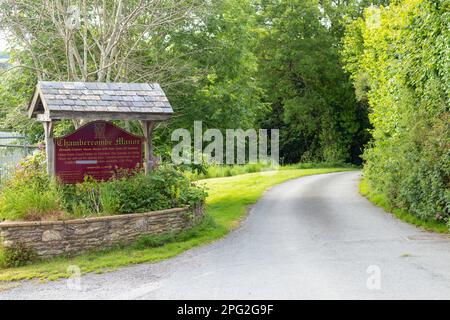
[91, 40]
[221, 65]
[311, 97]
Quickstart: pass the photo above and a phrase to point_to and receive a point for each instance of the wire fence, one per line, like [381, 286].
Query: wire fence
[13, 148]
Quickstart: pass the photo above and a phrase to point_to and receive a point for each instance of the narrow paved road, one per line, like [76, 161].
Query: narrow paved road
[309, 238]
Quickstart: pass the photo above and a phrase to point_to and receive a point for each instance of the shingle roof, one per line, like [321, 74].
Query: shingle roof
[57, 100]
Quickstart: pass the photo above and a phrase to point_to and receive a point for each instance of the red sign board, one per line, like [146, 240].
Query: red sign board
[96, 149]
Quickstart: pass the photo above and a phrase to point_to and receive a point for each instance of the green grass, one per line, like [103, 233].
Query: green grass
[218, 171]
[27, 200]
[381, 200]
[226, 205]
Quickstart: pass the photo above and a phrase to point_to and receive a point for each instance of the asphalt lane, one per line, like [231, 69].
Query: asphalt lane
[314, 237]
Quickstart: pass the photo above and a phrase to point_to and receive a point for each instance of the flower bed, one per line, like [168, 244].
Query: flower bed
[31, 195]
[39, 216]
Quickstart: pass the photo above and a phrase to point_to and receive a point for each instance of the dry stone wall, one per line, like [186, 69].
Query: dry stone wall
[53, 238]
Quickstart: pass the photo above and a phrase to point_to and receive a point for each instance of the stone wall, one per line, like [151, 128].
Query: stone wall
[53, 238]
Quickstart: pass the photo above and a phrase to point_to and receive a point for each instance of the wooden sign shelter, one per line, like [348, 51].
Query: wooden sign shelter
[90, 101]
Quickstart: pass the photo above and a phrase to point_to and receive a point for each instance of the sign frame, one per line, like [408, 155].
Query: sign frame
[97, 149]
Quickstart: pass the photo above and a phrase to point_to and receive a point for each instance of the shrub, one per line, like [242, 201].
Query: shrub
[163, 188]
[17, 256]
[132, 192]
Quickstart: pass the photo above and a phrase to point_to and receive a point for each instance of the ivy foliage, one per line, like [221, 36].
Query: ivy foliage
[399, 61]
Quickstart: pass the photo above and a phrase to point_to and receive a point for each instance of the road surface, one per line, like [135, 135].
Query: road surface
[314, 237]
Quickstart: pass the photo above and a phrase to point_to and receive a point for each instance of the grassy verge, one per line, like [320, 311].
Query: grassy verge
[219, 171]
[226, 206]
[380, 200]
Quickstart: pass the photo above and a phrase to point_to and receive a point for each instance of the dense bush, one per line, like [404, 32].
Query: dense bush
[399, 60]
[31, 195]
[164, 188]
[16, 256]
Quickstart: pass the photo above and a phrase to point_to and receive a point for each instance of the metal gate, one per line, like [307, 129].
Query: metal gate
[13, 148]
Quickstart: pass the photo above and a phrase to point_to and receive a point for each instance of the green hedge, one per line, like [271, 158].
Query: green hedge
[399, 59]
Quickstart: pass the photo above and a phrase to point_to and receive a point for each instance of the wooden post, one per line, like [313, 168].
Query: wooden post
[49, 147]
[147, 128]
